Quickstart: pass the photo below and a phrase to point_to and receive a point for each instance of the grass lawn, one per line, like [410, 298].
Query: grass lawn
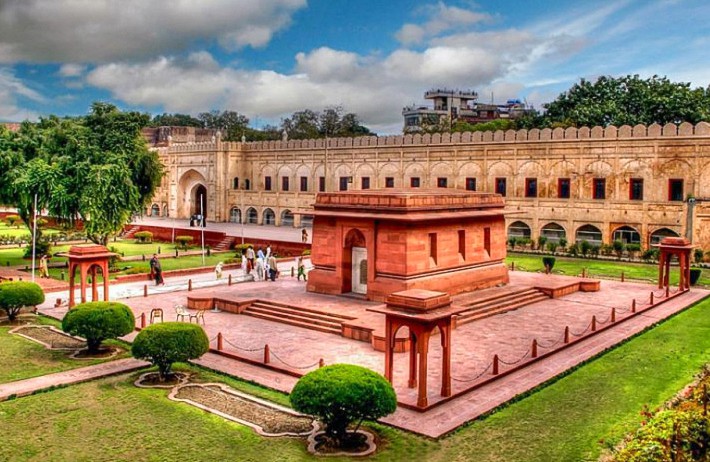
[605, 268]
[22, 230]
[22, 358]
[111, 419]
[600, 401]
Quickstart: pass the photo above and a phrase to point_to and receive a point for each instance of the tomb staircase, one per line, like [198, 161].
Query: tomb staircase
[131, 232]
[497, 302]
[297, 316]
[225, 244]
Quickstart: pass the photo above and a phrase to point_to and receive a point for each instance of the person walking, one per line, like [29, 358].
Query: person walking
[304, 236]
[43, 268]
[301, 269]
[157, 270]
[273, 269]
[218, 270]
[260, 273]
[250, 259]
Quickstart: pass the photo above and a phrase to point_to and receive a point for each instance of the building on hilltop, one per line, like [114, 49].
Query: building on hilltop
[598, 184]
[458, 105]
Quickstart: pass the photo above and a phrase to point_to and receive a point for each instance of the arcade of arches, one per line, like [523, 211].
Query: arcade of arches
[598, 185]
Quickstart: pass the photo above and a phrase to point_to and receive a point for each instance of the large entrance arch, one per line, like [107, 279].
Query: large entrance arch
[192, 192]
[355, 262]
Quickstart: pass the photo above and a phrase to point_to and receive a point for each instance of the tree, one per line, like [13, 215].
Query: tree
[17, 295]
[170, 342]
[628, 100]
[332, 122]
[99, 321]
[175, 120]
[231, 124]
[341, 394]
[95, 168]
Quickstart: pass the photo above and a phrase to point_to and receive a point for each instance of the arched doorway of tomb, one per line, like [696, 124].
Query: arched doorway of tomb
[519, 230]
[553, 232]
[235, 215]
[627, 235]
[354, 267]
[155, 210]
[287, 218]
[589, 233]
[269, 217]
[199, 200]
[659, 234]
[252, 216]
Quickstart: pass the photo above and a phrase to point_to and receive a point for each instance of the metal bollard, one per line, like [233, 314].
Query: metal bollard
[594, 323]
[613, 315]
[267, 354]
[651, 298]
[668, 291]
[142, 320]
[622, 276]
[229, 280]
[633, 305]
[321, 363]
[145, 290]
[534, 348]
[566, 340]
[495, 364]
[220, 345]
[189, 285]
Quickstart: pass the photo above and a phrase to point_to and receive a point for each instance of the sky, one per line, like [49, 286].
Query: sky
[269, 58]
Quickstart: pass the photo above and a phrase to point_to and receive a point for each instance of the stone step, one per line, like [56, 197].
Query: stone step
[281, 319]
[225, 244]
[294, 315]
[475, 315]
[500, 298]
[131, 232]
[301, 309]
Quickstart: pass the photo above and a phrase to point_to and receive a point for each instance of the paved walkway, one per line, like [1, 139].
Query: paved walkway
[83, 374]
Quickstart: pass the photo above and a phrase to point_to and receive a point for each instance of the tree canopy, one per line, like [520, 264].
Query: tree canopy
[95, 168]
[332, 122]
[628, 100]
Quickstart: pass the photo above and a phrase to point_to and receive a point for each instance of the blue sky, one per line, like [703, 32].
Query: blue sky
[269, 58]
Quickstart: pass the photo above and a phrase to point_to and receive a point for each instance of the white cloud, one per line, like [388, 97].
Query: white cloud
[71, 70]
[106, 30]
[10, 88]
[441, 18]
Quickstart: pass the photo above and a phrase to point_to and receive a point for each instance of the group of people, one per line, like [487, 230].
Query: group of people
[263, 263]
[156, 271]
[198, 220]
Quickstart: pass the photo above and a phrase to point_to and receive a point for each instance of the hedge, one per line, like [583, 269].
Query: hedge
[170, 342]
[144, 237]
[99, 321]
[17, 295]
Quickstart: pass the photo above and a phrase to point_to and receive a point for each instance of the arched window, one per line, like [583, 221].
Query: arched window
[553, 232]
[659, 234]
[307, 221]
[235, 183]
[627, 235]
[519, 229]
[589, 233]
[235, 215]
[286, 218]
[155, 210]
[269, 217]
[252, 216]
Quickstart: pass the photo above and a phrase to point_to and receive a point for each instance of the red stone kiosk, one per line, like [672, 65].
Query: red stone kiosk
[681, 248]
[88, 259]
[377, 242]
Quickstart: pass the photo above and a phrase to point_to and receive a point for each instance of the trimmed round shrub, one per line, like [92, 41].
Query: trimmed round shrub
[144, 237]
[183, 241]
[99, 321]
[342, 394]
[13, 219]
[17, 295]
[170, 342]
[549, 263]
[695, 275]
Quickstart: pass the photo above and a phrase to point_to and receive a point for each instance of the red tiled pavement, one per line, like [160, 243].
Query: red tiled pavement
[83, 374]
[509, 335]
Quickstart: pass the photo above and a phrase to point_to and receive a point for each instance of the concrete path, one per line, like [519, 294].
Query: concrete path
[83, 374]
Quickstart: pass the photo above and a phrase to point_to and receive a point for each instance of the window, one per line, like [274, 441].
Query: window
[344, 180]
[284, 183]
[267, 183]
[599, 188]
[487, 240]
[441, 182]
[321, 183]
[304, 184]
[414, 182]
[247, 184]
[636, 189]
[389, 182]
[500, 186]
[675, 190]
[470, 184]
[235, 183]
[462, 244]
[563, 188]
[530, 187]
[432, 248]
[365, 182]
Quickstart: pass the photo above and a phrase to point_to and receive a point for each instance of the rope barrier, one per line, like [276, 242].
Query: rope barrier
[553, 344]
[295, 367]
[478, 376]
[583, 332]
[243, 349]
[513, 363]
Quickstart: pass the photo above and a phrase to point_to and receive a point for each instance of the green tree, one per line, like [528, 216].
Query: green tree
[95, 168]
[17, 295]
[628, 100]
[170, 342]
[341, 394]
[231, 124]
[175, 120]
[331, 122]
[99, 321]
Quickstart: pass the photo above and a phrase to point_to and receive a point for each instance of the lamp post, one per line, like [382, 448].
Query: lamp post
[202, 226]
[34, 238]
